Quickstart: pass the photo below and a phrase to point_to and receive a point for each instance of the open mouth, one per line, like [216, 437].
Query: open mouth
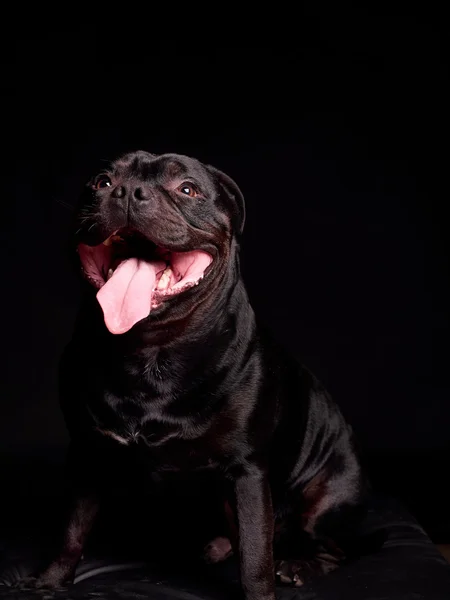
[134, 275]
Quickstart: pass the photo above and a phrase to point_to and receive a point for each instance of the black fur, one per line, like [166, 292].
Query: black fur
[199, 385]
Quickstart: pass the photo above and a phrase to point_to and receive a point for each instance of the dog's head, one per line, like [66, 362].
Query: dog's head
[154, 230]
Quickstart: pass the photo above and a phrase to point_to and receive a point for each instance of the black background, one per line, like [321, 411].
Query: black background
[336, 132]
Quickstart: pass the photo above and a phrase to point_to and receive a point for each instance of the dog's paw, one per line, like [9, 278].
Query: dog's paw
[296, 571]
[288, 572]
[217, 550]
[32, 586]
[52, 580]
[26, 584]
[47, 584]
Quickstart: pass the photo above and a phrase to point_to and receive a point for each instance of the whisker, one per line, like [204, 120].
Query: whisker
[64, 204]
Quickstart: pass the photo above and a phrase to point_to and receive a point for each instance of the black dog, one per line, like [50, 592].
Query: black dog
[168, 355]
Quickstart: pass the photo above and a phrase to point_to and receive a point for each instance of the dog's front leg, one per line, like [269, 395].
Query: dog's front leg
[79, 524]
[255, 521]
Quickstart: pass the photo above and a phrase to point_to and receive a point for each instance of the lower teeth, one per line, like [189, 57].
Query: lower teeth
[165, 279]
[110, 274]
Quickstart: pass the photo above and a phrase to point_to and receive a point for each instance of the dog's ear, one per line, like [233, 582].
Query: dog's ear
[232, 197]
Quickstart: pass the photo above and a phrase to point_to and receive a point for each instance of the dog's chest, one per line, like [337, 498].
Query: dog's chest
[152, 419]
[164, 446]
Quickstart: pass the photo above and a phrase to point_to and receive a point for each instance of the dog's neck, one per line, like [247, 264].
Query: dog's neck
[172, 372]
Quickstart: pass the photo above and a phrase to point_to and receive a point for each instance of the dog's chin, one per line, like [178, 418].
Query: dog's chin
[134, 276]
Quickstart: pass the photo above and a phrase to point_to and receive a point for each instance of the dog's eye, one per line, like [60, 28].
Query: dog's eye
[188, 189]
[102, 181]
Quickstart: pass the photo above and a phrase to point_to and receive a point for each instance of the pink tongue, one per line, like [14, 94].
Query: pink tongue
[126, 298]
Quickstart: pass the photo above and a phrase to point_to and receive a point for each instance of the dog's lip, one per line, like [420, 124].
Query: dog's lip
[160, 252]
[106, 240]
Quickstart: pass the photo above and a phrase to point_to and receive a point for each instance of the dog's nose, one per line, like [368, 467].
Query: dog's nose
[118, 192]
[140, 193]
[134, 192]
